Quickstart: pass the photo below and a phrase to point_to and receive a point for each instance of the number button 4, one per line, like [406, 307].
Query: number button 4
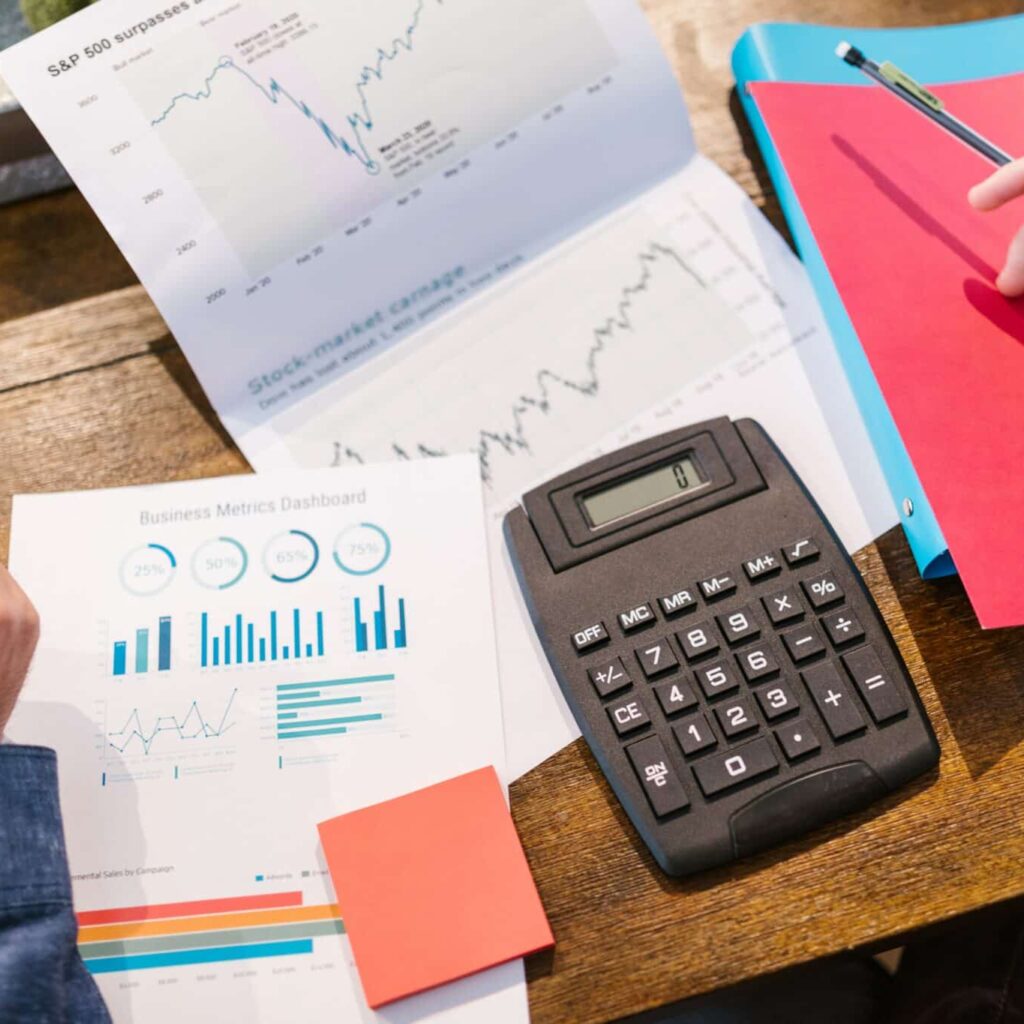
[675, 697]
[694, 735]
[656, 658]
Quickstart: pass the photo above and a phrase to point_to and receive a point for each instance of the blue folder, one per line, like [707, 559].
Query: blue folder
[805, 53]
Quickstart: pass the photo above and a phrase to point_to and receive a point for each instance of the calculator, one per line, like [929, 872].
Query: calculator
[718, 648]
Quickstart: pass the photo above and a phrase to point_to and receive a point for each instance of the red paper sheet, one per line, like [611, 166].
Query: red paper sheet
[885, 191]
[433, 886]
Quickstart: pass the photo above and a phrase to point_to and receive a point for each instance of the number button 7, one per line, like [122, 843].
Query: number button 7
[656, 658]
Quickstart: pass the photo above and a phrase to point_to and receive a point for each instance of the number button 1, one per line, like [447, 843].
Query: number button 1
[656, 658]
[694, 734]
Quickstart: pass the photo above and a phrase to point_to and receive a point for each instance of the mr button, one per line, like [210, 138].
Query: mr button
[589, 637]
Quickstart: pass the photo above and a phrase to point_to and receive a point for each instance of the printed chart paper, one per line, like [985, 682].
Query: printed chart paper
[301, 184]
[226, 663]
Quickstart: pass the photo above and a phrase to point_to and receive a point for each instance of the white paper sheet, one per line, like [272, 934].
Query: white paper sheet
[200, 674]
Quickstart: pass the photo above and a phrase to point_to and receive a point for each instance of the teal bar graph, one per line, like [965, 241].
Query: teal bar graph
[140, 663]
[326, 714]
[398, 637]
[240, 640]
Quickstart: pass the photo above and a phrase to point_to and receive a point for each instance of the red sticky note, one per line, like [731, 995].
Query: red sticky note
[885, 193]
[433, 886]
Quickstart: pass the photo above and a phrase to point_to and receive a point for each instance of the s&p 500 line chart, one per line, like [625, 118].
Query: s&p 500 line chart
[295, 127]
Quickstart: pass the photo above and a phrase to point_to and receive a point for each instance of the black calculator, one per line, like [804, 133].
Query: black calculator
[719, 650]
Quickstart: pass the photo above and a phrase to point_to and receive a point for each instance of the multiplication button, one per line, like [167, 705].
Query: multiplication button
[590, 636]
[783, 605]
[609, 677]
[660, 782]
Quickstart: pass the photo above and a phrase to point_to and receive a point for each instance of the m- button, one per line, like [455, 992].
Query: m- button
[589, 636]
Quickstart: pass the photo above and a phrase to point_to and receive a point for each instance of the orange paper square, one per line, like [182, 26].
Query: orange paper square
[433, 886]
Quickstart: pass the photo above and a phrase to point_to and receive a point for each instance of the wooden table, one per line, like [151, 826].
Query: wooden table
[94, 392]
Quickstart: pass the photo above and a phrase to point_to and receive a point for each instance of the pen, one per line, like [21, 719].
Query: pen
[902, 85]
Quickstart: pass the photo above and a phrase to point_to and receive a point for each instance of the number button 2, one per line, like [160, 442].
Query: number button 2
[656, 658]
[694, 734]
[735, 718]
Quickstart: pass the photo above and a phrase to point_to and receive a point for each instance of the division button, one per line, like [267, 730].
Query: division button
[716, 586]
[627, 714]
[588, 637]
[735, 717]
[675, 696]
[657, 776]
[797, 739]
[717, 679]
[698, 640]
[677, 603]
[656, 658]
[634, 618]
[609, 677]
[764, 565]
[834, 699]
[758, 663]
[783, 605]
[730, 767]
[738, 626]
[822, 590]
[800, 551]
[777, 700]
[803, 642]
[694, 734]
[843, 627]
[881, 692]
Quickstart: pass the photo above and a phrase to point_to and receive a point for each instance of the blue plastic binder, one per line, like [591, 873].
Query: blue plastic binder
[805, 53]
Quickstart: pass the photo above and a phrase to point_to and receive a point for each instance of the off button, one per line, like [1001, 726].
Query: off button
[588, 637]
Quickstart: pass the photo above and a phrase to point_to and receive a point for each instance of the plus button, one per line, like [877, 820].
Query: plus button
[832, 698]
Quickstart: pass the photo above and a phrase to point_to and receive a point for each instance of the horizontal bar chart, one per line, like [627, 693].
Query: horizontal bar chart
[203, 931]
[333, 707]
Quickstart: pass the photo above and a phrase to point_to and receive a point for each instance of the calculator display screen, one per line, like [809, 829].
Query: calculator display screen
[664, 482]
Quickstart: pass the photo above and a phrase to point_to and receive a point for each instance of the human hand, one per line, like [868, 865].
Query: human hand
[19, 631]
[1005, 184]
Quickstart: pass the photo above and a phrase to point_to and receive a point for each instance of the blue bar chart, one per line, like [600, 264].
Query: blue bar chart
[333, 707]
[381, 640]
[289, 636]
[141, 662]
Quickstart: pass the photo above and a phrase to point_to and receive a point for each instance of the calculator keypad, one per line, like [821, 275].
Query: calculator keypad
[745, 685]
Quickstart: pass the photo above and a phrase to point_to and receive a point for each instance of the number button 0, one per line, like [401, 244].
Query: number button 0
[735, 718]
[697, 640]
[656, 658]
[694, 734]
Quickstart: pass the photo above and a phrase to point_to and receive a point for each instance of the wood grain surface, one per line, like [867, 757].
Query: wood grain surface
[94, 392]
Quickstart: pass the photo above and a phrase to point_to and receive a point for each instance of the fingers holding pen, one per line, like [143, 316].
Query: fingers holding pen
[998, 188]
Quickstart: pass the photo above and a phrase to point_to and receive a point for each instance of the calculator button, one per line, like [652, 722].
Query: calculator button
[803, 642]
[777, 700]
[834, 699]
[738, 626]
[677, 603]
[717, 679]
[675, 696]
[822, 590]
[843, 627]
[698, 640]
[800, 551]
[735, 765]
[757, 664]
[609, 677]
[588, 637]
[657, 776]
[717, 586]
[627, 714]
[764, 565]
[694, 734]
[797, 739]
[634, 618]
[735, 717]
[880, 691]
[656, 658]
[783, 605]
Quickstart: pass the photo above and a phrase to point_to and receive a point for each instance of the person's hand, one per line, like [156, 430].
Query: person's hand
[19, 631]
[1005, 184]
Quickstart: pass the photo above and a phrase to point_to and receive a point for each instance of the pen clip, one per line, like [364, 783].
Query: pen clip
[899, 78]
